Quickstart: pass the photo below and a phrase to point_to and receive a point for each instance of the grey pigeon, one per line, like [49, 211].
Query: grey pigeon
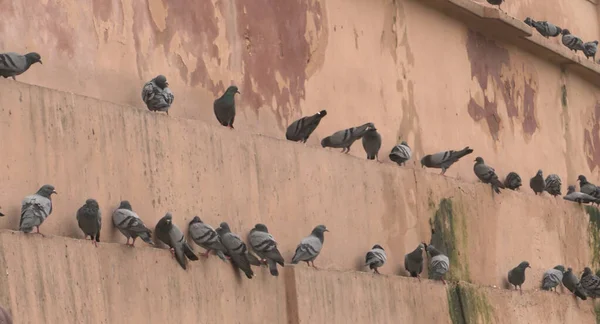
[375, 258]
[590, 282]
[301, 129]
[130, 224]
[590, 49]
[496, 3]
[545, 28]
[413, 261]
[89, 219]
[345, 138]
[443, 160]
[572, 283]
[206, 237]
[157, 95]
[553, 185]
[401, 153]
[439, 264]
[13, 64]
[579, 197]
[552, 278]
[512, 181]
[224, 107]
[167, 232]
[236, 249]
[516, 276]
[36, 208]
[487, 174]
[571, 41]
[371, 142]
[588, 187]
[310, 246]
[537, 183]
[265, 246]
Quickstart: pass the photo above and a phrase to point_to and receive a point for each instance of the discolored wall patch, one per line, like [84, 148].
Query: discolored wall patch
[591, 139]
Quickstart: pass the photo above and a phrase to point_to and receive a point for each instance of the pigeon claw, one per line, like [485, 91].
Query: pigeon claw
[205, 254]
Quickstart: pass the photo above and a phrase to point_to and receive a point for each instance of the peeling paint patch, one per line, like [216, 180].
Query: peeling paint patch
[591, 139]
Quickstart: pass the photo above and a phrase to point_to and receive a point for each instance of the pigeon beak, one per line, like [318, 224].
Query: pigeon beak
[326, 230]
[41, 62]
[54, 192]
[167, 84]
[238, 91]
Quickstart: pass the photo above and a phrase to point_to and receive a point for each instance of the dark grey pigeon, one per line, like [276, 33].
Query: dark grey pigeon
[236, 249]
[545, 28]
[13, 64]
[265, 246]
[224, 107]
[537, 183]
[487, 174]
[571, 41]
[439, 264]
[167, 232]
[516, 276]
[413, 261]
[401, 153]
[512, 181]
[588, 187]
[301, 129]
[552, 278]
[310, 246]
[36, 208]
[345, 138]
[375, 258]
[371, 142]
[130, 224]
[590, 282]
[443, 160]
[206, 237]
[156, 94]
[553, 185]
[579, 197]
[89, 219]
[590, 49]
[572, 283]
[496, 3]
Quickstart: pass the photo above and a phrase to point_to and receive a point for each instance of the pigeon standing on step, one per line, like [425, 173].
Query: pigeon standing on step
[487, 174]
[512, 181]
[167, 232]
[236, 249]
[537, 183]
[552, 278]
[590, 282]
[206, 237]
[130, 224]
[413, 261]
[300, 130]
[13, 64]
[496, 3]
[516, 276]
[157, 95]
[553, 185]
[545, 28]
[579, 197]
[89, 219]
[345, 138]
[588, 187]
[224, 107]
[401, 153]
[265, 246]
[590, 49]
[571, 41]
[572, 283]
[36, 208]
[443, 160]
[439, 264]
[371, 142]
[375, 258]
[310, 246]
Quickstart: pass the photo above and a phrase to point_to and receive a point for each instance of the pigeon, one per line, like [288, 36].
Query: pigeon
[552, 278]
[443, 160]
[537, 183]
[570, 281]
[236, 249]
[225, 107]
[512, 181]
[413, 261]
[13, 64]
[545, 28]
[438, 263]
[167, 232]
[157, 95]
[553, 185]
[579, 197]
[375, 258]
[130, 224]
[516, 276]
[587, 187]
[571, 41]
[371, 142]
[310, 246]
[345, 138]
[590, 49]
[89, 219]
[496, 3]
[401, 153]
[300, 130]
[590, 282]
[265, 246]
[487, 174]
[36, 208]
[206, 237]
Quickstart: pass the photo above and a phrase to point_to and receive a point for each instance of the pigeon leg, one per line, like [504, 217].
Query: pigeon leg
[14, 78]
[205, 254]
[37, 231]
[377, 271]
[418, 277]
[443, 171]
[313, 265]
[167, 112]
[263, 261]
[133, 242]
[230, 127]
[95, 243]
[172, 252]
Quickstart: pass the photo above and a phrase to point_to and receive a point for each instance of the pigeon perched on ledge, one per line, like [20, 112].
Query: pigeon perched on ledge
[553, 185]
[310, 247]
[89, 219]
[265, 246]
[375, 258]
[157, 95]
[590, 282]
[301, 129]
[590, 49]
[553, 277]
[588, 187]
[167, 232]
[236, 249]
[36, 208]
[413, 261]
[537, 183]
[224, 107]
[571, 282]
[345, 138]
[512, 181]
[439, 264]
[545, 28]
[401, 153]
[571, 41]
[579, 197]
[130, 224]
[444, 160]
[516, 276]
[206, 237]
[13, 64]
[487, 174]
[371, 142]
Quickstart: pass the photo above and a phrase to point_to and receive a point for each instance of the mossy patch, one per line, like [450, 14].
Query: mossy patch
[468, 305]
[564, 96]
[597, 311]
[594, 234]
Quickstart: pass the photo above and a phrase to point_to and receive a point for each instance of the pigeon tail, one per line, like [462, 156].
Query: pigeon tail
[253, 260]
[189, 253]
[221, 255]
[463, 152]
[146, 238]
[273, 268]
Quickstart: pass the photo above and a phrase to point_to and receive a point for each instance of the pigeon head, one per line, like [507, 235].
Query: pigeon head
[168, 219]
[539, 173]
[595, 42]
[421, 246]
[92, 203]
[377, 246]
[161, 81]
[479, 159]
[565, 32]
[582, 178]
[528, 21]
[195, 220]
[46, 191]
[424, 159]
[322, 113]
[224, 227]
[560, 268]
[125, 205]
[370, 126]
[559, 29]
[326, 141]
[432, 250]
[33, 57]
[232, 90]
[523, 265]
[404, 143]
[320, 229]
[261, 228]
[586, 272]
[571, 189]
[569, 270]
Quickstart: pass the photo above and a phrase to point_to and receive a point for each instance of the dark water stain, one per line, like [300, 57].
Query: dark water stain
[487, 112]
[529, 122]
[591, 142]
[102, 9]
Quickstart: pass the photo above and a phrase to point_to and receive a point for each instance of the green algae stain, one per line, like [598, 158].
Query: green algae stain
[454, 305]
[597, 311]
[468, 305]
[594, 234]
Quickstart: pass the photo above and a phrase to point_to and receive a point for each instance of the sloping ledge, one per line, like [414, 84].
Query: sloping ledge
[497, 24]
